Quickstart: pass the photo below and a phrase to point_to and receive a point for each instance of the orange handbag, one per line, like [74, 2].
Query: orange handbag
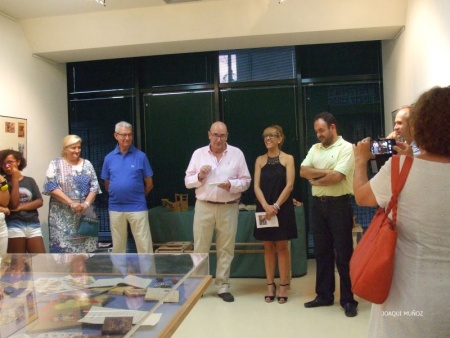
[372, 262]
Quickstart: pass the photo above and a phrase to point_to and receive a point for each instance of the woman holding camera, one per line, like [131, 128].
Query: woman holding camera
[420, 286]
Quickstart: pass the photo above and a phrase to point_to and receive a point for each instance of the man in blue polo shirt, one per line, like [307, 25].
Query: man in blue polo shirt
[128, 179]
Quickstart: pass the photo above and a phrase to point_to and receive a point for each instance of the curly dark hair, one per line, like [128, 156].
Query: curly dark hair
[16, 154]
[430, 118]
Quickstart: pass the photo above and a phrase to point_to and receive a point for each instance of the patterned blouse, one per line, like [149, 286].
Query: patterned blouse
[74, 181]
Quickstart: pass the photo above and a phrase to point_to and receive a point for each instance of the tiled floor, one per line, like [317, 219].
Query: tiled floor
[249, 316]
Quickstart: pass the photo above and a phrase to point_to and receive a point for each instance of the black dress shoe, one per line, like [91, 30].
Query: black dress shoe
[350, 309]
[227, 297]
[318, 302]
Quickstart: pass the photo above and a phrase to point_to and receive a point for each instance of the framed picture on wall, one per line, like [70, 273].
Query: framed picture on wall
[394, 113]
[13, 134]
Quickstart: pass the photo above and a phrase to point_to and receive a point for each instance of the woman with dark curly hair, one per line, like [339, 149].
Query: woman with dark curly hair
[22, 218]
[417, 305]
[72, 185]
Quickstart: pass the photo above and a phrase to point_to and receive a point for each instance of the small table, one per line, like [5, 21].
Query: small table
[176, 226]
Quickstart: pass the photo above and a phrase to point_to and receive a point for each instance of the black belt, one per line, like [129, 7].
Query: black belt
[331, 198]
[230, 202]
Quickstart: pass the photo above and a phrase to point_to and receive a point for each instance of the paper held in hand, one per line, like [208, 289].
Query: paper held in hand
[263, 222]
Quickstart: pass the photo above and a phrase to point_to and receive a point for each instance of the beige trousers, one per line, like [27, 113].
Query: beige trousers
[221, 219]
[140, 228]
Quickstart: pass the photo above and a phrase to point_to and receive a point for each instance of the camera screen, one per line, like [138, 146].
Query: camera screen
[382, 146]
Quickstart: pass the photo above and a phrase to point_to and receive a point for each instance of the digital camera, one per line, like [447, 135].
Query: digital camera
[382, 146]
[383, 149]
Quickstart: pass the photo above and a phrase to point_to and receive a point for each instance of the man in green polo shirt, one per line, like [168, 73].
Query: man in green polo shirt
[329, 168]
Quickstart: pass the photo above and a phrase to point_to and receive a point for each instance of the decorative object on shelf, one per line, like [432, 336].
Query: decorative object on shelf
[175, 247]
[180, 204]
[248, 207]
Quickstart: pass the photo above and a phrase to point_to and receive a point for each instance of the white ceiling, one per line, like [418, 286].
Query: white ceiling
[26, 9]
[80, 30]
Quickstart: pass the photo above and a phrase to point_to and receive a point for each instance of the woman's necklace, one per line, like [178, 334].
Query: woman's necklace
[274, 159]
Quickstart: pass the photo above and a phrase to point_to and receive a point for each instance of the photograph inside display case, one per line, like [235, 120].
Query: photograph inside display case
[91, 294]
[17, 312]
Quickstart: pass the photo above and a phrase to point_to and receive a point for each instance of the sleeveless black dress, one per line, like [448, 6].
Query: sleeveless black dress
[272, 183]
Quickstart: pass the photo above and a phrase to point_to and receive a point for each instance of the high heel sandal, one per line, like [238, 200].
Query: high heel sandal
[283, 299]
[270, 299]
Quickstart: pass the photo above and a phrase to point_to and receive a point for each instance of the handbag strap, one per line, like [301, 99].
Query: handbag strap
[398, 180]
[82, 169]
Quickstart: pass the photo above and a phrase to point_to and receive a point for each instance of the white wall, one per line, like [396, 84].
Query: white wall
[37, 91]
[420, 58]
[210, 25]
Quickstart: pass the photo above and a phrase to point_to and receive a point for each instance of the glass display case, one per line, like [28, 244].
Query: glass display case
[87, 295]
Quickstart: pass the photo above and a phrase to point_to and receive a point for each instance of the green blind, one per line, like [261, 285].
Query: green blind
[176, 124]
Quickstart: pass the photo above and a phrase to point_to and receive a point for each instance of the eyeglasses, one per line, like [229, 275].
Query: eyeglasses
[125, 135]
[8, 163]
[221, 136]
[270, 136]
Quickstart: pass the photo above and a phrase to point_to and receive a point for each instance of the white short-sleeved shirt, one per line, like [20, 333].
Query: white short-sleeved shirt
[417, 305]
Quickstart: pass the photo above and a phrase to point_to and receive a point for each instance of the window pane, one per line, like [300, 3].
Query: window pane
[358, 111]
[261, 64]
[95, 76]
[340, 59]
[357, 107]
[248, 111]
[176, 125]
[171, 70]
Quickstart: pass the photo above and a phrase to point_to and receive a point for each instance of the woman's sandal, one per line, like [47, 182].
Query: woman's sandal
[283, 299]
[270, 299]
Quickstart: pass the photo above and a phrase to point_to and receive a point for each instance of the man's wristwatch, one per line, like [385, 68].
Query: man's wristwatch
[4, 185]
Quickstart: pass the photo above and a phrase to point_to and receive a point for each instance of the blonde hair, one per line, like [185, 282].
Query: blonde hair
[68, 141]
[280, 133]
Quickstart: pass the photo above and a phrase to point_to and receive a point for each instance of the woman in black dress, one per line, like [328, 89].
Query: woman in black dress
[273, 183]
